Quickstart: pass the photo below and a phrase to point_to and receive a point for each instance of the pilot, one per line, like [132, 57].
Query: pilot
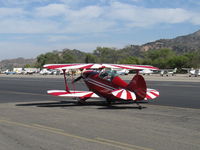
[103, 74]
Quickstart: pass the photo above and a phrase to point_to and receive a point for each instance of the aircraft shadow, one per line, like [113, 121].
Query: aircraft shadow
[89, 103]
[121, 107]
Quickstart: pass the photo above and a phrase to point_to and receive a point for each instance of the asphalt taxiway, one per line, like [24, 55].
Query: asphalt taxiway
[31, 119]
[172, 93]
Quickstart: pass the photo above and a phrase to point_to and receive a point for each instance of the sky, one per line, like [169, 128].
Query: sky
[29, 28]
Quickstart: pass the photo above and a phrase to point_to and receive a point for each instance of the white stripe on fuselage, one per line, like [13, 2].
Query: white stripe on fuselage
[100, 84]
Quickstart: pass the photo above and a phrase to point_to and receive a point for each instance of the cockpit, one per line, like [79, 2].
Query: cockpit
[108, 74]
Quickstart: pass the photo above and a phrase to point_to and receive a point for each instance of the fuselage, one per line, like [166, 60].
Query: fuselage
[103, 85]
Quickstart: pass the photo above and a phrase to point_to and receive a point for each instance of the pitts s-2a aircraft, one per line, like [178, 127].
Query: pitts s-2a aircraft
[106, 83]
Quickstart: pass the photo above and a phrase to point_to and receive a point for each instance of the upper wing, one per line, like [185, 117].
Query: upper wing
[96, 66]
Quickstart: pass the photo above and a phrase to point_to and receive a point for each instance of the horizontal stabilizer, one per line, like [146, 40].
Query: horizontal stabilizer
[151, 94]
[124, 94]
[80, 94]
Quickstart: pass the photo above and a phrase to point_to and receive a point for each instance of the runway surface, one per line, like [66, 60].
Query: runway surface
[31, 119]
[179, 94]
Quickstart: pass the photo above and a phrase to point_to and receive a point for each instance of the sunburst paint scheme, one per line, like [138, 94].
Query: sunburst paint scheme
[107, 84]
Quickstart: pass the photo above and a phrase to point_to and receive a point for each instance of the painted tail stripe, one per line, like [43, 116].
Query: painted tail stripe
[124, 94]
[119, 94]
[151, 94]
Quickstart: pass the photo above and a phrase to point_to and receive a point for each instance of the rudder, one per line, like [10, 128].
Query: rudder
[138, 86]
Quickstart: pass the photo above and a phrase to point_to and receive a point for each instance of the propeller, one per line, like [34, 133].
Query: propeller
[77, 79]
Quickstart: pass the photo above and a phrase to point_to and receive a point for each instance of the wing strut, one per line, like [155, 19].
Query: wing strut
[137, 72]
[66, 85]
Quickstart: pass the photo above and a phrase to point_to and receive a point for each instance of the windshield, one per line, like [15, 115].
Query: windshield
[108, 74]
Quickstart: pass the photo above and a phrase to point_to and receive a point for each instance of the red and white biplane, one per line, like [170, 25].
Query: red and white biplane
[106, 83]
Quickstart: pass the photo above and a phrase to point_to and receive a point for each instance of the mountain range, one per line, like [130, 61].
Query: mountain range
[180, 44]
[17, 63]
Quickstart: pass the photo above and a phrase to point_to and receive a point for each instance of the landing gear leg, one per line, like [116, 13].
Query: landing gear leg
[81, 101]
[139, 106]
[109, 102]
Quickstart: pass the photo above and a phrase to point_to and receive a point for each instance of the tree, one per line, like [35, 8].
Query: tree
[48, 58]
[27, 66]
[106, 55]
[90, 58]
[193, 59]
[178, 62]
[159, 58]
[130, 60]
[160, 53]
[68, 58]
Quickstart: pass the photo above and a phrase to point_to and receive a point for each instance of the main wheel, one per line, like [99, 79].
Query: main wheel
[139, 107]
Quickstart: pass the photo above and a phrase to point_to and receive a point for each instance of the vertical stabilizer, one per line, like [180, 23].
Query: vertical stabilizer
[138, 86]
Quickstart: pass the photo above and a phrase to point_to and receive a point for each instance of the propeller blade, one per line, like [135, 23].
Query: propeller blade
[77, 79]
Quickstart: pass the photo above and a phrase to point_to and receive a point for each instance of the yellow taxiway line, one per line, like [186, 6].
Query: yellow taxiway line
[102, 141]
[124, 144]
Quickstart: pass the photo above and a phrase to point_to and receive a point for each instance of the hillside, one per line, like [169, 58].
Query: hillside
[181, 44]
[15, 63]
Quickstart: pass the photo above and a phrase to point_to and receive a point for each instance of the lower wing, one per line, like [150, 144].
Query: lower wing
[120, 93]
[80, 94]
